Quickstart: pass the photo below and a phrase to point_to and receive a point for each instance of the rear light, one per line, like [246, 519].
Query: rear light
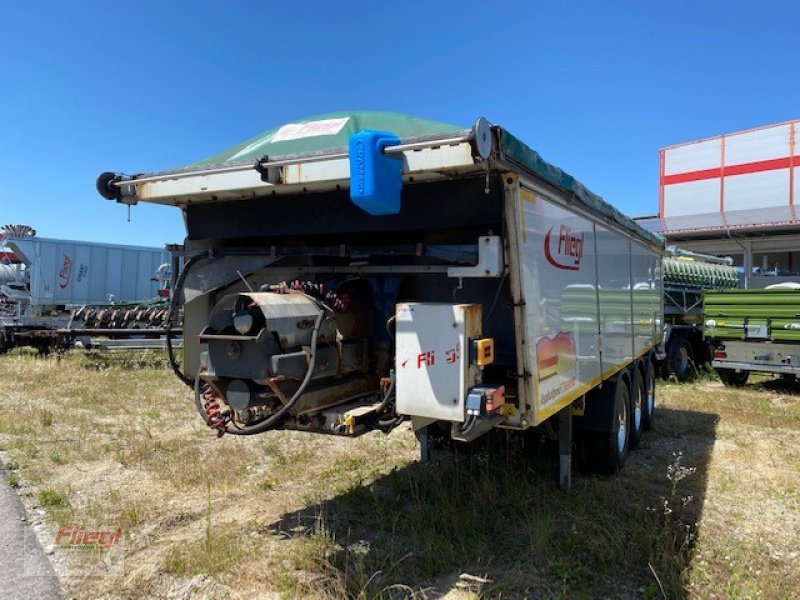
[720, 354]
[163, 293]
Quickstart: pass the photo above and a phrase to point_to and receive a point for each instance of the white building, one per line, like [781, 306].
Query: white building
[735, 195]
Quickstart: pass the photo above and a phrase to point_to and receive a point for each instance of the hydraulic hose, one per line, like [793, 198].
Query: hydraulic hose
[387, 398]
[173, 305]
[273, 420]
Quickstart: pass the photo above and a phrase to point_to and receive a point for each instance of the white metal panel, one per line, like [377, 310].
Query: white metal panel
[757, 190]
[692, 198]
[615, 297]
[67, 272]
[767, 188]
[557, 276]
[432, 363]
[696, 156]
[562, 257]
[758, 144]
[237, 184]
[646, 280]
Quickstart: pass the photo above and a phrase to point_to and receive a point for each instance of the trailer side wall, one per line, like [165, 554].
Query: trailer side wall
[64, 272]
[591, 301]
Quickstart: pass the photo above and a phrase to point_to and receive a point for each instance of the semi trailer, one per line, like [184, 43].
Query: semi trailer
[52, 290]
[350, 271]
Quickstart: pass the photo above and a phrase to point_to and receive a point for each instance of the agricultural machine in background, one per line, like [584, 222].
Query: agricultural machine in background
[350, 271]
[54, 291]
[687, 275]
[754, 330]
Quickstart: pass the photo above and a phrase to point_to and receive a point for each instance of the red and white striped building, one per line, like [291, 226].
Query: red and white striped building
[736, 194]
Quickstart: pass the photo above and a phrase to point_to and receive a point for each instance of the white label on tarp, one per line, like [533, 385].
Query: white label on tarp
[296, 131]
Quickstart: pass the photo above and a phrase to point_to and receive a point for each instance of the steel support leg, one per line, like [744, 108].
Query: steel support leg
[565, 449]
[424, 445]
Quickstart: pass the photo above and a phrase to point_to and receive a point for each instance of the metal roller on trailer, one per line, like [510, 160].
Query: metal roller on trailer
[349, 271]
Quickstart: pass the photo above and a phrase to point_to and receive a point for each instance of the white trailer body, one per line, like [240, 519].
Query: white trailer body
[42, 280]
[68, 272]
[590, 301]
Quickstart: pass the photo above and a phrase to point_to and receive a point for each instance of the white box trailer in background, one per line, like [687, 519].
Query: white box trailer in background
[69, 273]
[42, 280]
[445, 275]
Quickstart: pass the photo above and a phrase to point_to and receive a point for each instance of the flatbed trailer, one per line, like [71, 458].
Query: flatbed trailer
[349, 271]
[753, 330]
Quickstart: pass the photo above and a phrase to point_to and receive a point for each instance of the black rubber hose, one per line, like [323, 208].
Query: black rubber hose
[173, 305]
[273, 420]
[387, 398]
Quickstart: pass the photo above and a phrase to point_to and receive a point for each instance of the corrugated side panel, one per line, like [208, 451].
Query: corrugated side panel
[66, 272]
[727, 313]
[564, 256]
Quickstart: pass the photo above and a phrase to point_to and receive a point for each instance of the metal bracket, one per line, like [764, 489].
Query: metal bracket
[268, 173]
[490, 260]
[481, 427]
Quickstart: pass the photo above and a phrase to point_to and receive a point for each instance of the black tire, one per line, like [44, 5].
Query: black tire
[680, 359]
[605, 451]
[637, 408]
[732, 378]
[649, 412]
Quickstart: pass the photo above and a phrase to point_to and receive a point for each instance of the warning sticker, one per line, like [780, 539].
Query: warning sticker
[296, 131]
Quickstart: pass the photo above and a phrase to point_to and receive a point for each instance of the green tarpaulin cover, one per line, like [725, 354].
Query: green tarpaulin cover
[321, 134]
[330, 132]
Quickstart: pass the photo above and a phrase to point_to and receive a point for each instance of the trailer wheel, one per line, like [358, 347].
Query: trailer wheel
[732, 378]
[649, 412]
[605, 451]
[638, 400]
[679, 361]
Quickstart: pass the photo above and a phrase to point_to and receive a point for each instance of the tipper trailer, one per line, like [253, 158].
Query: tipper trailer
[349, 271]
[52, 291]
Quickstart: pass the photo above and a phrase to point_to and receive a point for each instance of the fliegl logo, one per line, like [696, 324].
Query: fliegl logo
[83, 538]
[564, 250]
[64, 272]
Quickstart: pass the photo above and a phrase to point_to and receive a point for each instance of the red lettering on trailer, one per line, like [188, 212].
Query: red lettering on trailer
[64, 272]
[568, 252]
[451, 356]
[426, 359]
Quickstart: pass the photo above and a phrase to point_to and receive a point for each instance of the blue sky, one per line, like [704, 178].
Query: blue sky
[595, 87]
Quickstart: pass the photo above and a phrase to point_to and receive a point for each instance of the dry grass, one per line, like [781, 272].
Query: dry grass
[707, 507]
